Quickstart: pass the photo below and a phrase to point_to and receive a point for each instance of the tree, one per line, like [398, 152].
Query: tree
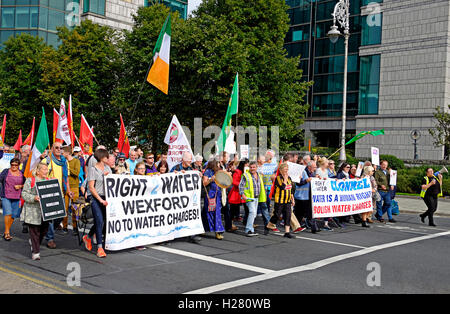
[222, 38]
[21, 69]
[86, 65]
[441, 133]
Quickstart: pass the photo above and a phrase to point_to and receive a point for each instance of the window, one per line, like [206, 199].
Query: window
[366, 2]
[55, 19]
[371, 29]
[94, 6]
[34, 17]
[5, 35]
[43, 18]
[335, 64]
[330, 105]
[369, 84]
[8, 17]
[22, 17]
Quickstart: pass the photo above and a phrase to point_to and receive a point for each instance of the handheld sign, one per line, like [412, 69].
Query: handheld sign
[393, 180]
[245, 151]
[375, 156]
[50, 199]
[295, 171]
[359, 170]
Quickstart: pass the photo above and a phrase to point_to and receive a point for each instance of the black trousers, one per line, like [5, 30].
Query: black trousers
[431, 202]
[37, 233]
[281, 209]
[303, 209]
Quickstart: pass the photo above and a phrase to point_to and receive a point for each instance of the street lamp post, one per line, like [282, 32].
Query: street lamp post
[341, 14]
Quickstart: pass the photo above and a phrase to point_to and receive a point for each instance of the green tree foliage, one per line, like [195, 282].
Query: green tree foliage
[441, 133]
[21, 69]
[105, 72]
[223, 38]
[86, 65]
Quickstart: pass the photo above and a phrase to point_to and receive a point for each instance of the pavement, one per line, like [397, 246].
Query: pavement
[414, 204]
[408, 256]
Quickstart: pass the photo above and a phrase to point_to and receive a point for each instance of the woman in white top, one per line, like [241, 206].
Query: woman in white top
[322, 170]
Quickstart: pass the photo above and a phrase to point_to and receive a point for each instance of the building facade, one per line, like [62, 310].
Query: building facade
[398, 72]
[41, 17]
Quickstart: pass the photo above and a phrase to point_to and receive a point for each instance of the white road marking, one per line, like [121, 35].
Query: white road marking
[312, 266]
[324, 241]
[213, 260]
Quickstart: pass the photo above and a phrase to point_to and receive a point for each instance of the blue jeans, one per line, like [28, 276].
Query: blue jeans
[262, 207]
[99, 213]
[252, 210]
[11, 208]
[51, 229]
[384, 205]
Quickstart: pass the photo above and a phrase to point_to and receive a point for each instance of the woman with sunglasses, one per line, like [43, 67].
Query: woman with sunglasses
[11, 185]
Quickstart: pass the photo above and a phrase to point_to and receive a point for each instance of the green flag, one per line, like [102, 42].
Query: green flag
[364, 133]
[232, 110]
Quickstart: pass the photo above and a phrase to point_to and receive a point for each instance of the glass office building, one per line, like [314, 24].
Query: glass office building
[36, 17]
[323, 63]
[41, 17]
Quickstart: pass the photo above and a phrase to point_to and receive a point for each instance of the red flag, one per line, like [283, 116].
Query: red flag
[272, 189]
[3, 128]
[19, 141]
[30, 137]
[123, 145]
[70, 121]
[55, 125]
[86, 135]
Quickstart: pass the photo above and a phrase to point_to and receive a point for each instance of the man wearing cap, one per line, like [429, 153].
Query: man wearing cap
[121, 165]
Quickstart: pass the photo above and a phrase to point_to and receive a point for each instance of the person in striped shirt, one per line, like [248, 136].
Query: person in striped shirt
[283, 200]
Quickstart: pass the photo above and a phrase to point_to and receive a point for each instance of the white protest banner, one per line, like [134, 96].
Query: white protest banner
[245, 153]
[375, 156]
[295, 171]
[150, 209]
[393, 179]
[5, 161]
[334, 198]
[177, 141]
[359, 170]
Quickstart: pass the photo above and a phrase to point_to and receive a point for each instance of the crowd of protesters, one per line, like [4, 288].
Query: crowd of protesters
[261, 187]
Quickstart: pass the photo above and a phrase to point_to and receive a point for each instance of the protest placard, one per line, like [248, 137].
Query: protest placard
[295, 171]
[359, 170]
[149, 209]
[393, 179]
[245, 153]
[5, 161]
[50, 199]
[375, 156]
[333, 198]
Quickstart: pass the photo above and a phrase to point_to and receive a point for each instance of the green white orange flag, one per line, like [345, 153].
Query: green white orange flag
[364, 133]
[158, 75]
[41, 144]
[232, 110]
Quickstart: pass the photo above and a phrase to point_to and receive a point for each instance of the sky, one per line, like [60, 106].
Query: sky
[192, 5]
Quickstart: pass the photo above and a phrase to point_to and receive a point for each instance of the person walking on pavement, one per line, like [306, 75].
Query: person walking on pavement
[431, 190]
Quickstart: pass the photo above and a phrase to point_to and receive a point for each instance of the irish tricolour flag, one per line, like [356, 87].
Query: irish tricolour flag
[158, 75]
[42, 142]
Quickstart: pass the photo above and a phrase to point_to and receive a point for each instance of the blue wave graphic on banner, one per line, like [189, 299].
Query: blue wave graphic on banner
[146, 235]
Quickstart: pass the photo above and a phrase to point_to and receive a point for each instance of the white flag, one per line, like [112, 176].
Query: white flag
[177, 141]
[63, 128]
